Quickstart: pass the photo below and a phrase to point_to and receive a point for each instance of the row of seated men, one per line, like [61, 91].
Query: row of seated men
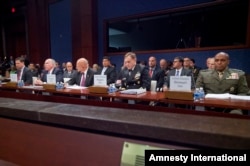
[218, 78]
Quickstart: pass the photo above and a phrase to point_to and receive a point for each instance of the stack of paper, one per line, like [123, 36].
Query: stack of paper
[133, 91]
[226, 96]
[76, 87]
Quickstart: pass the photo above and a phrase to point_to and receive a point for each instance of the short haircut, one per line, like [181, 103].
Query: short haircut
[21, 59]
[192, 60]
[106, 57]
[179, 58]
[131, 54]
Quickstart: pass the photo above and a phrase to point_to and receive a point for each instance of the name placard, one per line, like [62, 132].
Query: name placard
[100, 80]
[13, 77]
[51, 78]
[180, 83]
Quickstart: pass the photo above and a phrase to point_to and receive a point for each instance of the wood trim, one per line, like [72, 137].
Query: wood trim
[84, 30]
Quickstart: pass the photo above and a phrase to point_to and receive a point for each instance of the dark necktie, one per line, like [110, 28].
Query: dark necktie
[82, 80]
[18, 75]
[150, 73]
[177, 73]
[129, 72]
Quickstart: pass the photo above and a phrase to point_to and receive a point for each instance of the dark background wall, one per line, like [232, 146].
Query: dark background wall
[110, 9]
[68, 29]
[60, 31]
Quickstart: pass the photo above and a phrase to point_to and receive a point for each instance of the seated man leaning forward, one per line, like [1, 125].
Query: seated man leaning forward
[50, 68]
[133, 76]
[222, 79]
[84, 76]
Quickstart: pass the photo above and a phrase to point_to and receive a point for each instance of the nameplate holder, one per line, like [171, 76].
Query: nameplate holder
[98, 89]
[179, 95]
[10, 84]
[180, 83]
[49, 86]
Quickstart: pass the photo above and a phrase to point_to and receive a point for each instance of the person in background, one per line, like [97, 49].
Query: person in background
[133, 76]
[189, 63]
[154, 71]
[195, 69]
[223, 79]
[95, 67]
[64, 66]
[108, 70]
[210, 63]
[69, 72]
[164, 66]
[84, 76]
[33, 70]
[23, 73]
[11, 70]
[163, 73]
[50, 68]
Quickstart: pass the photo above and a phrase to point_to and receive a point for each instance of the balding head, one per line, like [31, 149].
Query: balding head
[49, 64]
[221, 61]
[82, 65]
[163, 64]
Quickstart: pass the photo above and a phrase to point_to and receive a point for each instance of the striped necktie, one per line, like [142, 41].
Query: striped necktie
[82, 80]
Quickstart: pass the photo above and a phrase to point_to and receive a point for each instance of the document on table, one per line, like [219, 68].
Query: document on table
[76, 87]
[226, 96]
[33, 87]
[133, 91]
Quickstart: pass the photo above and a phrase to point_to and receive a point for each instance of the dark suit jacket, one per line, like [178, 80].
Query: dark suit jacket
[184, 72]
[157, 76]
[69, 75]
[111, 74]
[27, 76]
[89, 80]
[58, 72]
[139, 78]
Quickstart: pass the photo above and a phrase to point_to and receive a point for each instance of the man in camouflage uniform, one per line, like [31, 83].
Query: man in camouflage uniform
[222, 79]
[232, 81]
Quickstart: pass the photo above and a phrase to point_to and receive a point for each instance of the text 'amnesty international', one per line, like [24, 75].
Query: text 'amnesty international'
[155, 157]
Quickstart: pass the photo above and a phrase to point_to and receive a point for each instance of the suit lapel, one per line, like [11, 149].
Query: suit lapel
[107, 71]
[87, 78]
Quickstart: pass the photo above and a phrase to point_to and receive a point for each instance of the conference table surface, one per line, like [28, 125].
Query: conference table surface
[148, 96]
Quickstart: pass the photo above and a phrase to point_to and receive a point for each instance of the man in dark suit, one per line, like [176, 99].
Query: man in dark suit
[23, 73]
[154, 71]
[133, 76]
[84, 76]
[50, 68]
[69, 72]
[178, 70]
[108, 70]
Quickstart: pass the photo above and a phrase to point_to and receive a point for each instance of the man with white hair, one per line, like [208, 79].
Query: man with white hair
[84, 76]
[50, 68]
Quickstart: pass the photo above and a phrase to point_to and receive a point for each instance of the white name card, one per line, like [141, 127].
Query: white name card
[13, 77]
[180, 83]
[51, 78]
[100, 80]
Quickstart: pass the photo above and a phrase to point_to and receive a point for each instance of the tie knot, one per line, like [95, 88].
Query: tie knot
[177, 72]
[220, 74]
